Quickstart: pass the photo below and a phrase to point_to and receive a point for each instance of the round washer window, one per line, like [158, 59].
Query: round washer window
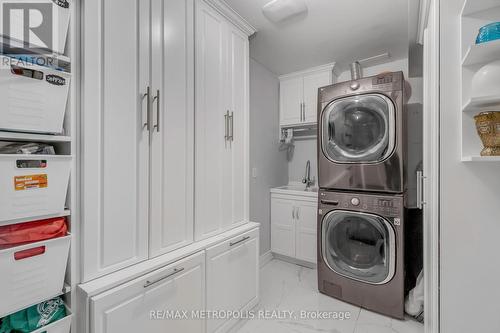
[359, 246]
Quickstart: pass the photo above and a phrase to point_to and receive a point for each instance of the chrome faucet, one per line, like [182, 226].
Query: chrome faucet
[307, 178]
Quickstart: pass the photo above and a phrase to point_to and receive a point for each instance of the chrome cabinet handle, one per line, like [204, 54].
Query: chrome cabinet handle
[231, 124]
[147, 96]
[240, 241]
[298, 213]
[157, 99]
[176, 271]
[304, 111]
[420, 189]
[226, 124]
[293, 213]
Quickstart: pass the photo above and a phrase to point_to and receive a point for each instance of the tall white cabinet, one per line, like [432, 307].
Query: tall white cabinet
[222, 118]
[137, 131]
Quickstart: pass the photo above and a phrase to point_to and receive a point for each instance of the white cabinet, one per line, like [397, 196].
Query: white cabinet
[143, 305]
[137, 132]
[172, 135]
[232, 278]
[299, 95]
[291, 94]
[221, 171]
[294, 226]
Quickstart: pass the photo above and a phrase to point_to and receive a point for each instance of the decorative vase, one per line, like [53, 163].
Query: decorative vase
[488, 128]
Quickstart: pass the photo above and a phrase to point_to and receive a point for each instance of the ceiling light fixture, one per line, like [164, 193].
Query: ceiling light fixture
[280, 10]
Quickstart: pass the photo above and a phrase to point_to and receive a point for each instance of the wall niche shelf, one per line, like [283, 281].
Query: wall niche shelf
[476, 14]
[478, 104]
[481, 159]
[482, 54]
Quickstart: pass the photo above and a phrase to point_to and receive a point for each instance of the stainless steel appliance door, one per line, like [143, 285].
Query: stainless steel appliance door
[359, 246]
[359, 129]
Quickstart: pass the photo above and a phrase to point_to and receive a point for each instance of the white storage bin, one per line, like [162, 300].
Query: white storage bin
[61, 326]
[32, 273]
[33, 97]
[32, 185]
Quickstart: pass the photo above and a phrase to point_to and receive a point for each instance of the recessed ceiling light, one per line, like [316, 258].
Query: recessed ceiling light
[279, 10]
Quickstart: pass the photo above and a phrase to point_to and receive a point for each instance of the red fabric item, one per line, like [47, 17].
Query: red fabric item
[30, 232]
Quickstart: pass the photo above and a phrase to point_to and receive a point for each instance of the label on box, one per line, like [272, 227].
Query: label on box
[28, 182]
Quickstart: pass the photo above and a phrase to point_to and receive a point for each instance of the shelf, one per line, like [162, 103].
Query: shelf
[482, 53]
[17, 136]
[482, 103]
[475, 6]
[481, 159]
[66, 212]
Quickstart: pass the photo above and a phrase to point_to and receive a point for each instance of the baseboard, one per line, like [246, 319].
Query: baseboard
[265, 258]
[294, 261]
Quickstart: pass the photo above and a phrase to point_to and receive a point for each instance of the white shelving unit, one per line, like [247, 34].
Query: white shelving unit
[65, 144]
[476, 14]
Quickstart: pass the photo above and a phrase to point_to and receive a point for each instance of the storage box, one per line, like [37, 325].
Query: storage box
[32, 185]
[33, 97]
[32, 273]
[61, 326]
[55, 19]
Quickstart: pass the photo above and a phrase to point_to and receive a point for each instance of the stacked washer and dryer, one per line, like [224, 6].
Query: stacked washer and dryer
[363, 197]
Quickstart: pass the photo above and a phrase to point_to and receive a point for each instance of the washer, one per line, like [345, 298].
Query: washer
[362, 127]
[361, 250]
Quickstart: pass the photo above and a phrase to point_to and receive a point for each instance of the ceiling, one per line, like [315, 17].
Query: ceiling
[331, 30]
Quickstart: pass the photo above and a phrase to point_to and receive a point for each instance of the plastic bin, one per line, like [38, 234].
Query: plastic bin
[32, 185]
[61, 326]
[33, 273]
[33, 97]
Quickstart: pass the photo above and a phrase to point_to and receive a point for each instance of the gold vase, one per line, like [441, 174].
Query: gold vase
[488, 128]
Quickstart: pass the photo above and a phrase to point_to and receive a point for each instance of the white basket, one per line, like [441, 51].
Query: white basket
[32, 273]
[63, 325]
[32, 104]
[32, 185]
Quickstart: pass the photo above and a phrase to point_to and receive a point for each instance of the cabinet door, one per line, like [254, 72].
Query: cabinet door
[291, 98]
[235, 181]
[211, 73]
[283, 227]
[306, 235]
[172, 136]
[232, 277]
[142, 305]
[312, 82]
[115, 163]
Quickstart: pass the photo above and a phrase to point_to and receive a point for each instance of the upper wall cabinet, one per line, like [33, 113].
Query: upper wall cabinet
[222, 119]
[299, 95]
[138, 124]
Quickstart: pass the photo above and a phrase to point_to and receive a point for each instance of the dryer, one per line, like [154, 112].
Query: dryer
[361, 250]
[361, 135]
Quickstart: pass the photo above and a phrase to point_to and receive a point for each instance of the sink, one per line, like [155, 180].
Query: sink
[298, 188]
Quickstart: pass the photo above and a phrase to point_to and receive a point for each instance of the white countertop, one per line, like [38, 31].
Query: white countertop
[296, 189]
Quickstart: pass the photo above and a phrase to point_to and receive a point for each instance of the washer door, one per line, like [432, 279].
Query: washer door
[359, 246]
[359, 129]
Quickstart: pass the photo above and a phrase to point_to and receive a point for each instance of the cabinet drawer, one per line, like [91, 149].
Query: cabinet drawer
[232, 277]
[140, 305]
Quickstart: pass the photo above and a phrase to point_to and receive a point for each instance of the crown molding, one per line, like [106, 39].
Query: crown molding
[230, 14]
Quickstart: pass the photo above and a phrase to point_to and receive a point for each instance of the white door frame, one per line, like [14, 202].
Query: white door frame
[429, 37]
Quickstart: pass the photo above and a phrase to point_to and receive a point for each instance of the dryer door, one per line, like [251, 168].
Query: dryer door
[359, 246]
[359, 129]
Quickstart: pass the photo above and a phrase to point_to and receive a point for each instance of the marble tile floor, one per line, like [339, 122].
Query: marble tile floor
[287, 289]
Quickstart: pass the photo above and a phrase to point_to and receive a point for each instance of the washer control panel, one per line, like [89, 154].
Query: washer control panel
[384, 205]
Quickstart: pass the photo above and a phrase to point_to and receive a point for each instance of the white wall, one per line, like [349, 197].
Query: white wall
[265, 157]
[469, 207]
